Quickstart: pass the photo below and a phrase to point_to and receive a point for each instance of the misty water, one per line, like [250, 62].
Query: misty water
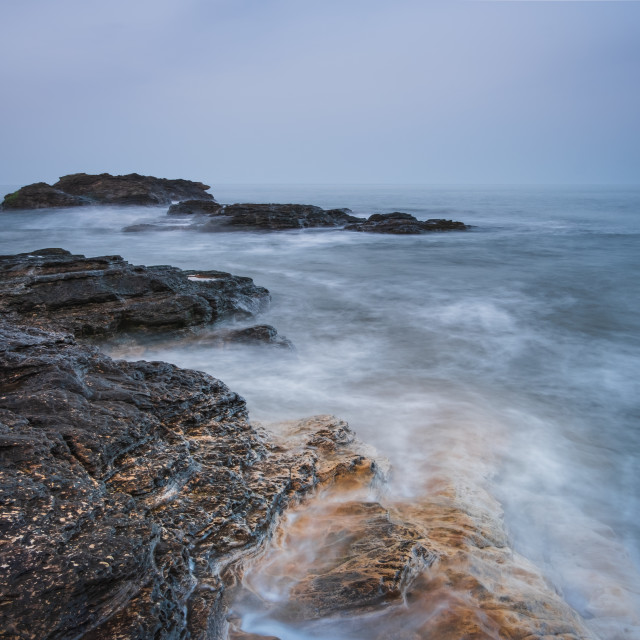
[508, 355]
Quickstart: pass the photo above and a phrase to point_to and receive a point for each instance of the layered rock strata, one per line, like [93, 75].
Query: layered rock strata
[81, 189]
[105, 296]
[130, 491]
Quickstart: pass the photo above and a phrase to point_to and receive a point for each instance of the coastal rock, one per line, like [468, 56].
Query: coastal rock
[343, 565]
[286, 216]
[82, 189]
[195, 207]
[262, 334]
[40, 195]
[132, 491]
[105, 295]
[404, 224]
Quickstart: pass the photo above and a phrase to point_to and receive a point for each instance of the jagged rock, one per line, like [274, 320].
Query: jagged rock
[404, 223]
[195, 207]
[80, 189]
[131, 491]
[286, 216]
[106, 295]
[40, 195]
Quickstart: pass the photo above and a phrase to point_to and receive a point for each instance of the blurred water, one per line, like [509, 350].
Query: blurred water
[520, 337]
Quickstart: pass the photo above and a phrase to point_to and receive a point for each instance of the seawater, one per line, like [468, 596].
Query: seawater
[507, 355]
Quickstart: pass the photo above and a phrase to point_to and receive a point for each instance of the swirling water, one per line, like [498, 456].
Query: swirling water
[511, 351]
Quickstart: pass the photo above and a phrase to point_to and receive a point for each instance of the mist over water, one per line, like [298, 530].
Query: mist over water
[507, 356]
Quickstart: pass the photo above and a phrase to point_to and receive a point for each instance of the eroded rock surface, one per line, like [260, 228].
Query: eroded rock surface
[80, 189]
[404, 223]
[105, 295]
[129, 490]
[346, 565]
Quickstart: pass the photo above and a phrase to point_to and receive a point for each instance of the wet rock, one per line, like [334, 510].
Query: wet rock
[129, 491]
[404, 224]
[195, 207]
[105, 295]
[40, 196]
[259, 334]
[433, 567]
[286, 216]
[364, 560]
[80, 189]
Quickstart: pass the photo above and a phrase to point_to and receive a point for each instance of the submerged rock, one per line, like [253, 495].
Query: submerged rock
[262, 334]
[105, 295]
[81, 189]
[130, 491]
[404, 223]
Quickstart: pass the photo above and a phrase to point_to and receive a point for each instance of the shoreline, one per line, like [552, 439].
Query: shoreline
[323, 455]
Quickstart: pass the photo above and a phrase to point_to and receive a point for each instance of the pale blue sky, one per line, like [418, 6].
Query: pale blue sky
[351, 91]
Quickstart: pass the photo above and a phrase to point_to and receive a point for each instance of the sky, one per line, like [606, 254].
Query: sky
[331, 91]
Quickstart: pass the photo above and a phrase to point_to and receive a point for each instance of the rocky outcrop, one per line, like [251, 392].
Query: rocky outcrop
[130, 492]
[81, 189]
[105, 295]
[274, 217]
[281, 216]
[195, 207]
[404, 223]
[41, 196]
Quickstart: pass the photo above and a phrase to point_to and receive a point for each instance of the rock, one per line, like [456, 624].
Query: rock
[105, 295]
[81, 189]
[363, 560]
[259, 334]
[404, 223]
[195, 207]
[431, 567]
[130, 492]
[286, 216]
[262, 334]
[40, 196]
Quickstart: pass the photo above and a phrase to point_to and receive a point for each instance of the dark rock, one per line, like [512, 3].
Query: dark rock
[404, 223]
[286, 216]
[106, 295]
[80, 189]
[132, 189]
[40, 196]
[128, 491]
[195, 207]
[441, 224]
[263, 334]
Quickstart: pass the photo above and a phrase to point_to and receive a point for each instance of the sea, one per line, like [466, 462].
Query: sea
[506, 355]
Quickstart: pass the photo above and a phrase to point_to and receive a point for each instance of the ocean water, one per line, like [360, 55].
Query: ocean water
[508, 355]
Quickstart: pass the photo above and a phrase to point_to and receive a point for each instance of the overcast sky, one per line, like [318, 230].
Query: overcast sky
[327, 91]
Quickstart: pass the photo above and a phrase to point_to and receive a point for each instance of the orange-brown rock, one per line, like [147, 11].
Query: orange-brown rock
[433, 568]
